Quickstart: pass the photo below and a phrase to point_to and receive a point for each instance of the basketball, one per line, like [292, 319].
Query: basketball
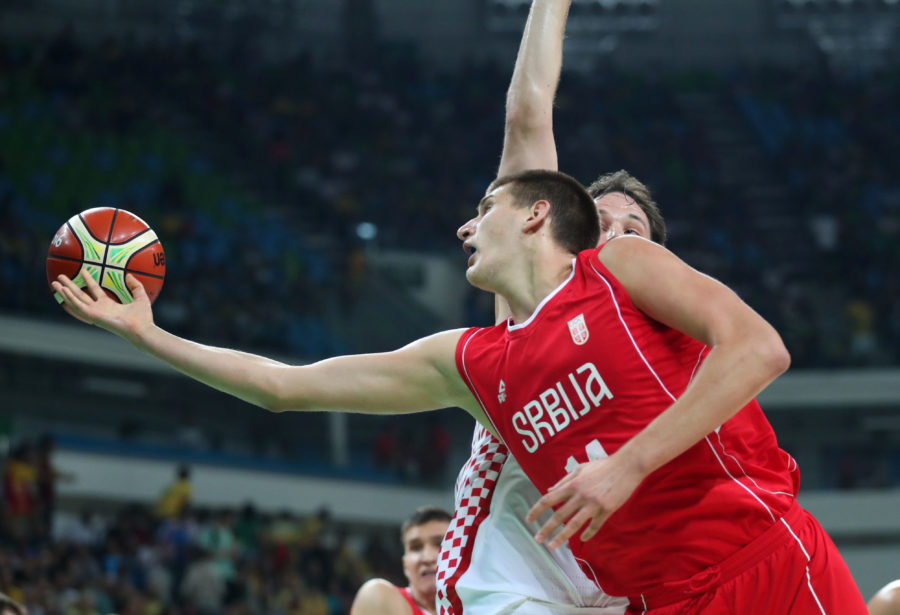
[110, 243]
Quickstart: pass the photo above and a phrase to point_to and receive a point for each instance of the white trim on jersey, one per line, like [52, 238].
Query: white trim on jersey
[708, 442]
[637, 348]
[471, 384]
[509, 324]
[808, 559]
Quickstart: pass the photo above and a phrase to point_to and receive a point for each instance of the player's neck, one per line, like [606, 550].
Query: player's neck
[535, 282]
[426, 603]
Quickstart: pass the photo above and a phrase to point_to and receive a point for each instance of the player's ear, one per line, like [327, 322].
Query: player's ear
[537, 216]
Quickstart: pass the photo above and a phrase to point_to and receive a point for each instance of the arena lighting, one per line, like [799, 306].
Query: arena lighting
[366, 231]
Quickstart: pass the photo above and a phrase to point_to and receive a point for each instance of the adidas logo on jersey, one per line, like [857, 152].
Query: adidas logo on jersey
[501, 395]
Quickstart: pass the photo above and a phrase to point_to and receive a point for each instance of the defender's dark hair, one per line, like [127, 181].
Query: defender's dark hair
[574, 224]
[423, 515]
[624, 182]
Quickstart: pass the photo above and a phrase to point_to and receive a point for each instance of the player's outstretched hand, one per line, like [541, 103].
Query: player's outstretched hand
[589, 494]
[93, 306]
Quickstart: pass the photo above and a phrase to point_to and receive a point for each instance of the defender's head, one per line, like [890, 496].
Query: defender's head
[625, 207]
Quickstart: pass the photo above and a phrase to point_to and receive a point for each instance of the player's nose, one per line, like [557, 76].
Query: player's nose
[614, 230]
[466, 230]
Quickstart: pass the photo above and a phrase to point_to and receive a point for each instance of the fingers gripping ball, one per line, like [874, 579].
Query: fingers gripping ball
[109, 243]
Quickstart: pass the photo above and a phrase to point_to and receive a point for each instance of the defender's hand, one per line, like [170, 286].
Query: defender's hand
[94, 307]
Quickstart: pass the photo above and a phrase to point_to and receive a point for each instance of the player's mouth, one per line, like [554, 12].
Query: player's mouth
[470, 250]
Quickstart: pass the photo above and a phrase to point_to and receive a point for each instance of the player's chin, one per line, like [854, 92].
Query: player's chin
[427, 582]
[476, 278]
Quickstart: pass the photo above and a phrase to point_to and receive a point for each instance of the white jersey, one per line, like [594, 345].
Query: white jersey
[490, 562]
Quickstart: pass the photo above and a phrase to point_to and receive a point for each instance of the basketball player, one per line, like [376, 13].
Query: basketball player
[624, 386]
[421, 534]
[886, 601]
[490, 562]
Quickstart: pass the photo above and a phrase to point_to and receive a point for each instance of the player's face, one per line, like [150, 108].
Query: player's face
[421, 545]
[621, 215]
[488, 237]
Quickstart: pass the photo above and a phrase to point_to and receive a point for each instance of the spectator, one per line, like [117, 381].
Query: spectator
[20, 494]
[177, 496]
[47, 477]
[203, 585]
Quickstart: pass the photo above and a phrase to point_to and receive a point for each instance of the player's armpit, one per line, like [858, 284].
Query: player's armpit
[420, 376]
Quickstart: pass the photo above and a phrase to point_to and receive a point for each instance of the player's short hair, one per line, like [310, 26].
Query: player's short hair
[624, 182]
[423, 515]
[574, 224]
[8, 605]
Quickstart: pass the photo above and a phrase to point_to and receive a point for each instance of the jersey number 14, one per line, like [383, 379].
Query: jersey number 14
[594, 451]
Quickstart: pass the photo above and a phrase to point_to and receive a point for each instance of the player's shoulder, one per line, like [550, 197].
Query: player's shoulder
[439, 341]
[379, 597]
[630, 257]
[626, 246]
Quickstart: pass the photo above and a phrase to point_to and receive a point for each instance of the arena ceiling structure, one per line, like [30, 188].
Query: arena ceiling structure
[627, 33]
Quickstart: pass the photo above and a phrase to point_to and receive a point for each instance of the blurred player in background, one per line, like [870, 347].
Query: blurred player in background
[421, 535]
[624, 384]
[886, 601]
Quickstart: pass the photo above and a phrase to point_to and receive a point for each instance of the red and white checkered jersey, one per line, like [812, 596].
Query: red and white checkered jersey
[490, 562]
[584, 374]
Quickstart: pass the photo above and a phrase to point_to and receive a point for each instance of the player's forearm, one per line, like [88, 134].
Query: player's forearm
[730, 377]
[252, 378]
[529, 101]
[528, 140]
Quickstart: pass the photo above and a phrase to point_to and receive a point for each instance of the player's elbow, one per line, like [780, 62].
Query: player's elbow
[782, 359]
[528, 110]
[281, 403]
[772, 354]
[275, 392]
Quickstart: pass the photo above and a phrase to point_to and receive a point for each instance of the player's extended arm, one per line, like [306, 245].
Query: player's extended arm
[528, 140]
[746, 354]
[419, 376]
[379, 597]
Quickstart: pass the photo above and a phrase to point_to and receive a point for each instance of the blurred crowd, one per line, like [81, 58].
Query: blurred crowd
[831, 139]
[176, 559]
[260, 175]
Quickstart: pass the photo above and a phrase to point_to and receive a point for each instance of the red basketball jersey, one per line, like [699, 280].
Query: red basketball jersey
[407, 593]
[583, 375]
